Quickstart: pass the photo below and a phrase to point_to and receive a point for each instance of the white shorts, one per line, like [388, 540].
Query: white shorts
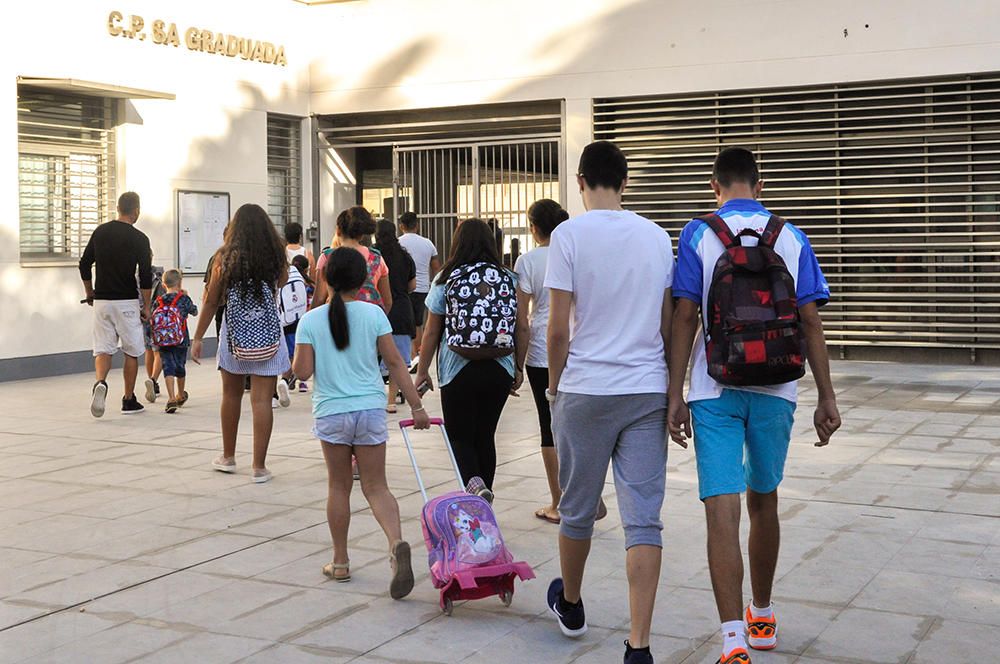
[116, 320]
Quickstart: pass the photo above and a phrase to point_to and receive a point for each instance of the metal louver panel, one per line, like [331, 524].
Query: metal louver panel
[66, 172]
[896, 183]
[284, 169]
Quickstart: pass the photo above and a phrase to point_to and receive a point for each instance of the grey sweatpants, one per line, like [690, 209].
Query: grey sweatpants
[628, 431]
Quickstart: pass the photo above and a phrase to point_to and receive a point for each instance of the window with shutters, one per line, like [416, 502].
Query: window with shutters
[284, 170]
[66, 158]
[897, 184]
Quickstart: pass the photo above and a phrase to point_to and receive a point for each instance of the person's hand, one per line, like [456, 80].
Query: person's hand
[827, 420]
[518, 382]
[679, 421]
[90, 298]
[196, 351]
[144, 314]
[422, 378]
[421, 420]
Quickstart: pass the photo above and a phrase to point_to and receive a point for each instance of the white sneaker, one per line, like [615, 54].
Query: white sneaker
[274, 402]
[97, 399]
[284, 398]
[150, 390]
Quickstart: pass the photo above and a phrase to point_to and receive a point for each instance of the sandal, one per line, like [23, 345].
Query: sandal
[391, 409]
[602, 510]
[545, 514]
[402, 570]
[330, 571]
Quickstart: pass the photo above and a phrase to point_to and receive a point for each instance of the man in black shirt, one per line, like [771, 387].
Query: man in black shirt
[119, 250]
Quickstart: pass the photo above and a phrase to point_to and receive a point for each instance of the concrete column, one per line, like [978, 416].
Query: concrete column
[579, 133]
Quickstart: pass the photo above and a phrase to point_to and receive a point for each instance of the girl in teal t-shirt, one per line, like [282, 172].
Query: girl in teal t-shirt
[339, 344]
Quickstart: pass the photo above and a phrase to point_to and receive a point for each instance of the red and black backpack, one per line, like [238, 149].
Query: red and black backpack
[753, 336]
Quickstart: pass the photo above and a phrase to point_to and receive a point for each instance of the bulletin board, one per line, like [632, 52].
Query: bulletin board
[202, 217]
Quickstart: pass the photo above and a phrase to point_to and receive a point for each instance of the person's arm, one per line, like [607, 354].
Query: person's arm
[411, 285]
[86, 266]
[321, 294]
[386, 292]
[433, 327]
[683, 330]
[435, 265]
[145, 274]
[213, 296]
[192, 308]
[827, 416]
[303, 364]
[523, 328]
[312, 263]
[666, 318]
[400, 374]
[560, 303]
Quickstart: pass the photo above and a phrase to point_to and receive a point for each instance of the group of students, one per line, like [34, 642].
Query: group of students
[605, 324]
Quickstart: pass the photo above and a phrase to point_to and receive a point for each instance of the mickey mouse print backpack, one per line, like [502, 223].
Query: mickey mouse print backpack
[480, 311]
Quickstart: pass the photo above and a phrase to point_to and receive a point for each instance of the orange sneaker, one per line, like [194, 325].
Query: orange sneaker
[736, 656]
[762, 633]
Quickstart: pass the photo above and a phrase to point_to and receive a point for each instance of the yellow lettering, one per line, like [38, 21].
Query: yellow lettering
[206, 41]
[279, 58]
[137, 24]
[232, 45]
[114, 21]
[159, 36]
[268, 52]
[244, 48]
[220, 44]
[258, 52]
[192, 37]
[172, 37]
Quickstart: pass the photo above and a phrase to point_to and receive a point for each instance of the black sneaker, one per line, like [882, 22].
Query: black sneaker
[98, 396]
[572, 620]
[156, 388]
[131, 406]
[637, 655]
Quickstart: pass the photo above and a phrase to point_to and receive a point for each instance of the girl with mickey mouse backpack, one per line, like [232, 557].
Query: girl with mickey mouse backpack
[472, 310]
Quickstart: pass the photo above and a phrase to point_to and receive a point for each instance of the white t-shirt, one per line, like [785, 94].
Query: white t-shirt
[422, 251]
[617, 265]
[530, 268]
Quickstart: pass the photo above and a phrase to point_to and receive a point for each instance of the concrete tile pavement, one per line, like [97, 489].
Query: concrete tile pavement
[118, 543]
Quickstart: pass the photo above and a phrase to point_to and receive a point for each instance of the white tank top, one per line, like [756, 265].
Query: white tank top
[292, 253]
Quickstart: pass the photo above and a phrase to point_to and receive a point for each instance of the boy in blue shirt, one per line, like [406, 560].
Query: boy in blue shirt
[174, 358]
[729, 419]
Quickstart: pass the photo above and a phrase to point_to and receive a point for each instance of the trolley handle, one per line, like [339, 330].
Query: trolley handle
[404, 425]
[434, 421]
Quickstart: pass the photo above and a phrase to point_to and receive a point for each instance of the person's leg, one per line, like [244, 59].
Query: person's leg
[338, 500]
[229, 412]
[150, 362]
[538, 379]
[385, 509]
[171, 388]
[169, 359]
[157, 366]
[725, 560]
[493, 385]
[128, 324]
[261, 389]
[130, 371]
[102, 366]
[459, 408]
[639, 464]
[763, 544]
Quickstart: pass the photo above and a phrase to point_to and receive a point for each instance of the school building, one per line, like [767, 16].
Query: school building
[877, 125]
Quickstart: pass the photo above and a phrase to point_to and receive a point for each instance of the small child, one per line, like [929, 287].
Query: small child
[174, 357]
[340, 343]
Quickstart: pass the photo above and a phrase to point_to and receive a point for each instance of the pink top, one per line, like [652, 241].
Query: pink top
[381, 271]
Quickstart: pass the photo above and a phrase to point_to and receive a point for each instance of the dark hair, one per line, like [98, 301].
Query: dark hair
[386, 241]
[603, 164]
[473, 242]
[545, 214]
[128, 203]
[301, 264]
[355, 223]
[408, 220]
[734, 165]
[251, 251]
[346, 270]
[293, 233]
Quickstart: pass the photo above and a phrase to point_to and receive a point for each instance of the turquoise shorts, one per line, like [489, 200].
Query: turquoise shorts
[741, 441]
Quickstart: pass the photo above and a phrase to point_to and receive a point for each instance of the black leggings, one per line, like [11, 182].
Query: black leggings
[472, 403]
[538, 378]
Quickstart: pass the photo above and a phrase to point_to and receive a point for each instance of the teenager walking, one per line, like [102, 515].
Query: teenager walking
[294, 247]
[472, 305]
[339, 344]
[247, 272]
[402, 281]
[119, 250]
[609, 277]
[354, 225]
[743, 425]
[425, 258]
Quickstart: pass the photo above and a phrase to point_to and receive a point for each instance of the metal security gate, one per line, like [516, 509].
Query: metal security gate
[897, 184]
[493, 180]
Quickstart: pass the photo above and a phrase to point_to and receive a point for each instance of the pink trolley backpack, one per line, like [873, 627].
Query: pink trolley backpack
[465, 550]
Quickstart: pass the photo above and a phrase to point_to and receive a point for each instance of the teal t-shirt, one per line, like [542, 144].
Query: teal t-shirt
[450, 362]
[345, 380]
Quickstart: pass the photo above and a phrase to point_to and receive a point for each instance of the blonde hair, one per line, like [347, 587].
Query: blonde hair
[172, 278]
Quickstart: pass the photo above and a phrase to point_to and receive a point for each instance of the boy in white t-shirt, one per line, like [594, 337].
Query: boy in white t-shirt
[742, 433]
[425, 258]
[611, 271]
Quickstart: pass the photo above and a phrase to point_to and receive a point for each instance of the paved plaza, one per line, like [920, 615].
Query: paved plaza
[118, 543]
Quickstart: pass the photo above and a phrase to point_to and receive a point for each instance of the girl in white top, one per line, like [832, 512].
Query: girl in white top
[294, 247]
[544, 215]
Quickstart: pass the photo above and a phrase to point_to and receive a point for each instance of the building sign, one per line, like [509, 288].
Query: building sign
[163, 33]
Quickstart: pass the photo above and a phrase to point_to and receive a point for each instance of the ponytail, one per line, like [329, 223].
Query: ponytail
[338, 322]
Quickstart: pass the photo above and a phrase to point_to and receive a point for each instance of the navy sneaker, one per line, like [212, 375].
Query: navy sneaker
[637, 655]
[572, 620]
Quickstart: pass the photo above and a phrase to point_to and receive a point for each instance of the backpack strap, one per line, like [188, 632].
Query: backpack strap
[721, 230]
[771, 232]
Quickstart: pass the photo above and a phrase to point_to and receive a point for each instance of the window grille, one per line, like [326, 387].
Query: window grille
[897, 184]
[66, 167]
[284, 170]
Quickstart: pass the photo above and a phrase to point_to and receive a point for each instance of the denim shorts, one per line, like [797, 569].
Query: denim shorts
[358, 427]
[741, 441]
[174, 360]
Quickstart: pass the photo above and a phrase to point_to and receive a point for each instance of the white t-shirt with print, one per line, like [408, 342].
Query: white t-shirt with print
[422, 251]
[617, 265]
[530, 268]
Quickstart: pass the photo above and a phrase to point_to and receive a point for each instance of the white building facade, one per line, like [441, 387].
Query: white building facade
[876, 125]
